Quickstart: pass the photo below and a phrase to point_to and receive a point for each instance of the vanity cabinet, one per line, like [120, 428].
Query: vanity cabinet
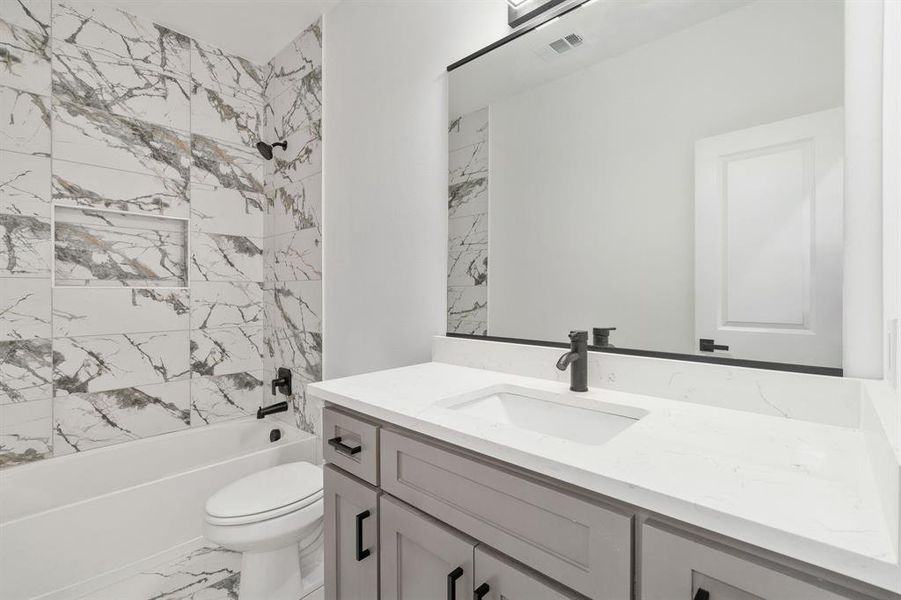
[497, 578]
[351, 537]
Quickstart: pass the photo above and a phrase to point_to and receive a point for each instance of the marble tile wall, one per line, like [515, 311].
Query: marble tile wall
[183, 268]
[467, 254]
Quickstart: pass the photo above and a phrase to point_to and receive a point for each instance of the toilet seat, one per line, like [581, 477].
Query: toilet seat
[265, 495]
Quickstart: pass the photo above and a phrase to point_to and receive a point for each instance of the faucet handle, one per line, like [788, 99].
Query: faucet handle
[578, 335]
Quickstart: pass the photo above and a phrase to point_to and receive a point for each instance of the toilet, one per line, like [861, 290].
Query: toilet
[274, 518]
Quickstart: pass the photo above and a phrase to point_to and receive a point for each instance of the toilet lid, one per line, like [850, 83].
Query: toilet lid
[298, 483]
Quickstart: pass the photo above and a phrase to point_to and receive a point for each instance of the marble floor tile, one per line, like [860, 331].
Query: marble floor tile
[295, 206]
[24, 59]
[80, 312]
[221, 397]
[226, 258]
[122, 35]
[98, 187]
[468, 232]
[24, 246]
[220, 164]
[227, 211]
[226, 73]
[469, 267]
[222, 116]
[109, 362]
[26, 370]
[226, 350]
[468, 303]
[24, 309]
[226, 304]
[103, 139]
[25, 432]
[85, 421]
[294, 256]
[24, 184]
[24, 122]
[296, 61]
[99, 248]
[112, 84]
[33, 15]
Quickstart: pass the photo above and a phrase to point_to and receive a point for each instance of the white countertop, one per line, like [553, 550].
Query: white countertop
[801, 489]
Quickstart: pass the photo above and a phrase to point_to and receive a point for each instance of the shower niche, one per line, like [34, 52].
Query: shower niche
[106, 248]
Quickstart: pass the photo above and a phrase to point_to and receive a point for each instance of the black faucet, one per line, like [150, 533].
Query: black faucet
[577, 361]
[271, 409]
[282, 383]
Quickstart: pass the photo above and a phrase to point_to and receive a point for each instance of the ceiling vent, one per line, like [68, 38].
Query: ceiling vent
[566, 43]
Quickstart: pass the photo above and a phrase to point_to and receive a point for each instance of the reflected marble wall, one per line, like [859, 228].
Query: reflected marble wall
[467, 257]
[150, 123]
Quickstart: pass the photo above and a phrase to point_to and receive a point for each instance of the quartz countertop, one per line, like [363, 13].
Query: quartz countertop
[801, 489]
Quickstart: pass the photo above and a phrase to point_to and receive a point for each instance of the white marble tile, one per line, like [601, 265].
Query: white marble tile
[25, 122]
[25, 432]
[226, 258]
[24, 309]
[227, 211]
[24, 246]
[294, 332]
[225, 117]
[108, 362]
[300, 351]
[467, 303]
[469, 267]
[99, 248]
[98, 187]
[33, 15]
[226, 304]
[226, 350]
[92, 420]
[24, 184]
[226, 73]
[295, 206]
[84, 135]
[220, 164]
[286, 114]
[302, 158]
[292, 66]
[26, 368]
[307, 410]
[468, 181]
[467, 327]
[79, 312]
[468, 129]
[468, 232]
[120, 34]
[24, 59]
[117, 85]
[221, 397]
[294, 256]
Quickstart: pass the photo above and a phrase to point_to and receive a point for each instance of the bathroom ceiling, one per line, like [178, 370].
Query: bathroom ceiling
[253, 29]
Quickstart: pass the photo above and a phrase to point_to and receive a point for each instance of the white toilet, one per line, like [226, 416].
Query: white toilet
[274, 518]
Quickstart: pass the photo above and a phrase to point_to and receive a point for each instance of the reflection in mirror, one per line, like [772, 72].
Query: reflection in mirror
[672, 170]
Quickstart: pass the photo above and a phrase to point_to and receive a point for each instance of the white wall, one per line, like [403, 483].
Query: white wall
[385, 174]
[591, 187]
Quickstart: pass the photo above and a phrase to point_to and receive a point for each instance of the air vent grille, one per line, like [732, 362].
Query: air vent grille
[566, 43]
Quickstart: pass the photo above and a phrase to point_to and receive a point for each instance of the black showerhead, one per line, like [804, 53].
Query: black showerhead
[266, 150]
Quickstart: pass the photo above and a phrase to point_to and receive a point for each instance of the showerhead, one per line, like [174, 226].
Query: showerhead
[266, 150]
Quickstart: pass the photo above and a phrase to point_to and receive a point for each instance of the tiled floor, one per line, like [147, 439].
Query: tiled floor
[206, 573]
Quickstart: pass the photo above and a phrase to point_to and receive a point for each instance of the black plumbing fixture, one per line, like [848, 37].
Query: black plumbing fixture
[282, 383]
[275, 435]
[577, 361]
[600, 336]
[278, 407]
[266, 149]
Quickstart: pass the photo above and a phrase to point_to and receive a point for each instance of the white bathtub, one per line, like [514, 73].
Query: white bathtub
[67, 520]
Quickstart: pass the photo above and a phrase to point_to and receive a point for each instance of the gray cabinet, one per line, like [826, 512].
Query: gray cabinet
[351, 537]
[421, 559]
[351, 443]
[497, 578]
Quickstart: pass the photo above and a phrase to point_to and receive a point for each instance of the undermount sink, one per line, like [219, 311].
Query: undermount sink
[547, 413]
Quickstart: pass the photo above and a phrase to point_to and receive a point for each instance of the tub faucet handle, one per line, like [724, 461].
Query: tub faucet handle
[282, 383]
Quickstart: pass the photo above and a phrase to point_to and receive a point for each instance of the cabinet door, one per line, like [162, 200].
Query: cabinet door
[422, 559]
[497, 578]
[351, 537]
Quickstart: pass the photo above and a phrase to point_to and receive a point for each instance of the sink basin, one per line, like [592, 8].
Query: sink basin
[547, 413]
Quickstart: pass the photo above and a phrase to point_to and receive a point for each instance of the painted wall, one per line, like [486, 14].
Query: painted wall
[185, 268]
[602, 173]
[385, 174]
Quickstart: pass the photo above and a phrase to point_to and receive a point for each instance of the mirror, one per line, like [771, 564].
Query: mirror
[670, 169]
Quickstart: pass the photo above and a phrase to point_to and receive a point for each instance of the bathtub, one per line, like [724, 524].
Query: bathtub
[76, 518]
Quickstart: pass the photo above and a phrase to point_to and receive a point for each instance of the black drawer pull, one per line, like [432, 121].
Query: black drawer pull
[335, 443]
[361, 553]
[481, 591]
[702, 594]
[452, 578]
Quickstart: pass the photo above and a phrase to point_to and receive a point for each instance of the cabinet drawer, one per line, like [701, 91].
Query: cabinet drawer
[582, 545]
[351, 444]
[674, 567]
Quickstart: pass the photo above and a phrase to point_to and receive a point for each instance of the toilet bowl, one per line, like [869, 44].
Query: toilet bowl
[274, 518]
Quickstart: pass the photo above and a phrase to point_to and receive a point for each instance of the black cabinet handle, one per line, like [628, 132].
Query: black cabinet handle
[341, 448]
[452, 578]
[708, 345]
[702, 594]
[361, 553]
[480, 591]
